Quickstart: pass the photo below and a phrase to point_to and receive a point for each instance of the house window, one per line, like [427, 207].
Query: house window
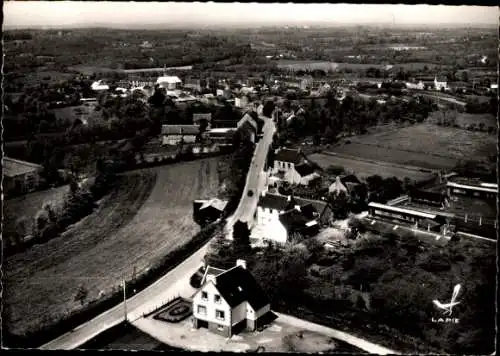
[217, 299]
[204, 296]
[219, 314]
[289, 165]
[202, 310]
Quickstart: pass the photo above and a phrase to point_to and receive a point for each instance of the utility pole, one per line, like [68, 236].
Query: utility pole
[124, 300]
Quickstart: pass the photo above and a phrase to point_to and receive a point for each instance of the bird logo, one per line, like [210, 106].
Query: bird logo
[448, 307]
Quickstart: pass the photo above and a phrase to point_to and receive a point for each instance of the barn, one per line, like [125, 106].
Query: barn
[20, 177]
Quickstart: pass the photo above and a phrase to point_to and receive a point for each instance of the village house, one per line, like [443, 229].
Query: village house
[221, 136]
[278, 217]
[207, 211]
[99, 86]
[20, 177]
[249, 126]
[169, 82]
[293, 167]
[440, 83]
[230, 301]
[175, 134]
[193, 84]
[418, 86]
[344, 184]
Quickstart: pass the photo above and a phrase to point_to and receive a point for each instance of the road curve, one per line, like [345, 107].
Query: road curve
[336, 334]
[143, 301]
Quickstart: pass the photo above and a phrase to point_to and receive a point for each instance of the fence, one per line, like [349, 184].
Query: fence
[157, 308]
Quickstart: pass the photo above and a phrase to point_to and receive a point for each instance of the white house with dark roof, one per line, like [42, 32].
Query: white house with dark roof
[294, 167]
[229, 301]
[279, 216]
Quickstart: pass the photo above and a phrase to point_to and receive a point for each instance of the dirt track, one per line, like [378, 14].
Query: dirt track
[134, 226]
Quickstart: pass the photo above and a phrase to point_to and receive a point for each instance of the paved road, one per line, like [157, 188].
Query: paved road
[337, 334]
[168, 286]
[162, 290]
[255, 181]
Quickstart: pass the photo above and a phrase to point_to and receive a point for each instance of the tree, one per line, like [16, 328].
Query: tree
[340, 204]
[241, 238]
[81, 294]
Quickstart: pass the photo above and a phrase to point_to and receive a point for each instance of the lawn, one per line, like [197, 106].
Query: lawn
[363, 169]
[28, 205]
[147, 216]
[423, 145]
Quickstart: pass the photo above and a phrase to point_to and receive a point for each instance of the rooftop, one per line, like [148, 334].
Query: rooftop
[289, 155]
[304, 169]
[180, 129]
[13, 167]
[168, 80]
[237, 285]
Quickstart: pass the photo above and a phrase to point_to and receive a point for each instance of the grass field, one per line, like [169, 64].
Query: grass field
[28, 205]
[363, 168]
[147, 216]
[424, 145]
[85, 111]
[464, 119]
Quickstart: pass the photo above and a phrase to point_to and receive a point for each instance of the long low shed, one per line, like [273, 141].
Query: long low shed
[395, 209]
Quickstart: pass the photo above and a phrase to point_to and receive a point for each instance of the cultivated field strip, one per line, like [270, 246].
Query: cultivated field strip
[141, 221]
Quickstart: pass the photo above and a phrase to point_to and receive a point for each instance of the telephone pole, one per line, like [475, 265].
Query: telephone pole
[124, 300]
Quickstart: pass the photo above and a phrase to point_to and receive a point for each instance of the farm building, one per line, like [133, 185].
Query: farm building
[175, 134]
[457, 186]
[207, 211]
[198, 118]
[230, 301]
[221, 136]
[20, 177]
[430, 198]
[169, 82]
[193, 84]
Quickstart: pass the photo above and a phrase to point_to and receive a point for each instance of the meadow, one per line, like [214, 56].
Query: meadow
[148, 215]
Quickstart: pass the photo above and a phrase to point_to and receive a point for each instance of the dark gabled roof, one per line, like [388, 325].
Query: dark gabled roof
[202, 116]
[288, 155]
[304, 169]
[238, 285]
[349, 178]
[309, 211]
[180, 130]
[293, 219]
[275, 202]
[319, 205]
[431, 196]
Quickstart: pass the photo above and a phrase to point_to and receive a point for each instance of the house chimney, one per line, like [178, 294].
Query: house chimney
[241, 263]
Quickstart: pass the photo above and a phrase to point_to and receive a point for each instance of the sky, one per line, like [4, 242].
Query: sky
[22, 14]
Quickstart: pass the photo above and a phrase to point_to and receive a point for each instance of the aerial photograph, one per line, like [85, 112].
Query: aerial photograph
[250, 177]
